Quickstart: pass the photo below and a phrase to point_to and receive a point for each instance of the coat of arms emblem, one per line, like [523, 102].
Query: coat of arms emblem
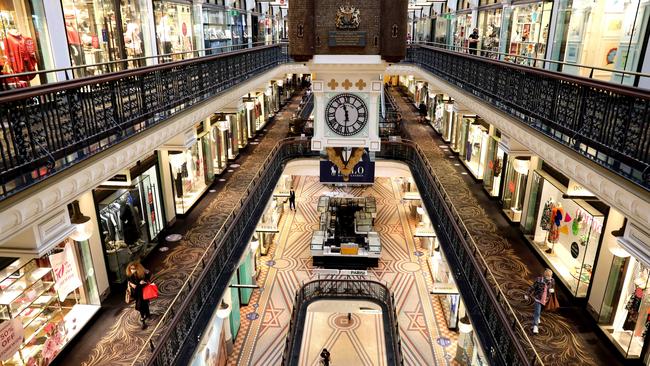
[348, 17]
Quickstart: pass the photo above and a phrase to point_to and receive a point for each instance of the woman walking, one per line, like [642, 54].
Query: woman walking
[138, 277]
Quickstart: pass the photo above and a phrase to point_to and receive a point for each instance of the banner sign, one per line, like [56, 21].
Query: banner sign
[66, 275]
[356, 169]
[11, 337]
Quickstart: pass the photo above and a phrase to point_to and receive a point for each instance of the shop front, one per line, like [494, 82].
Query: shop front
[603, 33]
[216, 32]
[566, 232]
[25, 43]
[441, 29]
[130, 216]
[529, 30]
[174, 27]
[489, 27]
[620, 296]
[493, 172]
[188, 167]
[216, 145]
[463, 28]
[473, 135]
[49, 287]
[441, 112]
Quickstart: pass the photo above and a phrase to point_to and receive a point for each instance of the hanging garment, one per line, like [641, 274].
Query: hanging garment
[553, 234]
[131, 234]
[558, 214]
[21, 53]
[546, 216]
[632, 308]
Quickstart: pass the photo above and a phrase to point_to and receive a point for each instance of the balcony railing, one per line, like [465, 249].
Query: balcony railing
[343, 289]
[608, 124]
[46, 129]
[176, 336]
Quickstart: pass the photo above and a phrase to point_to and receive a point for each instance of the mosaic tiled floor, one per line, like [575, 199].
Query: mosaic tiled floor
[402, 267]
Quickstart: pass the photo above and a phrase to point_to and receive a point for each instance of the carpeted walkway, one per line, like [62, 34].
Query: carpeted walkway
[566, 337]
[116, 337]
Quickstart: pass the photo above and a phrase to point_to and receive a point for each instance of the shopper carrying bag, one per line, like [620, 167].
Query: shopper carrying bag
[541, 290]
[138, 278]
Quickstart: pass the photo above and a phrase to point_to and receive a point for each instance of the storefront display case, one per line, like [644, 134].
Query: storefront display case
[188, 176]
[565, 232]
[472, 144]
[489, 25]
[493, 173]
[514, 191]
[215, 146]
[463, 29]
[46, 308]
[130, 218]
[174, 29]
[624, 314]
[216, 32]
[23, 28]
[450, 123]
[442, 31]
[243, 129]
[529, 30]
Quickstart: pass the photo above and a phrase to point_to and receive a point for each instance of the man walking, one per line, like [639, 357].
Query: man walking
[292, 199]
[541, 290]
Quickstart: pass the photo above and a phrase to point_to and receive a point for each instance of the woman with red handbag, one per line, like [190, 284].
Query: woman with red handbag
[138, 278]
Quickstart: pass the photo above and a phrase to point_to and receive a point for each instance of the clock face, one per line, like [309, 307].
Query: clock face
[346, 114]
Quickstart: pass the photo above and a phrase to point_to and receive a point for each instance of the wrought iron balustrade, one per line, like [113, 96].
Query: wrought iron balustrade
[178, 331]
[46, 129]
[608, 124]
[343, 289]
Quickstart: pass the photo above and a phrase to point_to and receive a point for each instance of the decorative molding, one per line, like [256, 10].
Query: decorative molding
[608, 187]
[23, 210]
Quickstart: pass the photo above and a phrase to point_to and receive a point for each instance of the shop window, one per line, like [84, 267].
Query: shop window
[135, 25]
[24, 43]
[494, 169]
[463, 29]
[188, 177]
[473, 141]
[173, 29]
[50, 298]
[216, 33]
[625, 313]
[603, 33]
[92, 35]
[130, 219]
[529, 31]
[565, 232]
[516, 178]
[490, 30]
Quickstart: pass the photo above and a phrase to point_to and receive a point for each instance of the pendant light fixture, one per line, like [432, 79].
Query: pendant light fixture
[83, 226]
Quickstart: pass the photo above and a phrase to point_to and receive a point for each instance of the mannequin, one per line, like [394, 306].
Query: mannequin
[557, 214]
[20, 53]
[634, 303]
[74, 44]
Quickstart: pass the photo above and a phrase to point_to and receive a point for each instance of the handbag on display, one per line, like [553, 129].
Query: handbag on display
[552, 304]
[150, 291]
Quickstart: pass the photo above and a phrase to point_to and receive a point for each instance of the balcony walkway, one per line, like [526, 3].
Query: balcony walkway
[116, 336]
[568, 337]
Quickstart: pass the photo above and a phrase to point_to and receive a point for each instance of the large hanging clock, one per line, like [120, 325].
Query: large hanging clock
[346, 114]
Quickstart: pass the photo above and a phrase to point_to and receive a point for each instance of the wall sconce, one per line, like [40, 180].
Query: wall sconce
[224, 310]
[83, 226]
[280, 82]
[249, 102]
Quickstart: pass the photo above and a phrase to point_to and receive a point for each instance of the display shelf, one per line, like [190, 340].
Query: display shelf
[48, 287]
[39, 327]
[37, 311]
[27, 281]
[10, 270]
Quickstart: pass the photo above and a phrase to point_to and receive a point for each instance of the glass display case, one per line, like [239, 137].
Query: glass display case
[130, 219]
[174, 29]
[624, 312]
[472, 144]
[494, 170]
[216, 33]
[188, 176]
[565, 232]
[514, 192]
[490, 30]
[529, 31]
[47, 309]
[449, 122]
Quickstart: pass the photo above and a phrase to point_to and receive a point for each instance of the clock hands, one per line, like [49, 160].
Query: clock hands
[347, 117]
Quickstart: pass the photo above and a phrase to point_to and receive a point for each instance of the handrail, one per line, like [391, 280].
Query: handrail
[504, 56]
[469, 240]
[608, 124]
[50, 127]
[321, 289]
[157, 59]
[182, 323]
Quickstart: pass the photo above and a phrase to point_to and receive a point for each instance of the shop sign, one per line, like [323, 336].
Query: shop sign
[66, 275]
[575, 250]
[11, 337]
[351, 170]
[577, 190]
